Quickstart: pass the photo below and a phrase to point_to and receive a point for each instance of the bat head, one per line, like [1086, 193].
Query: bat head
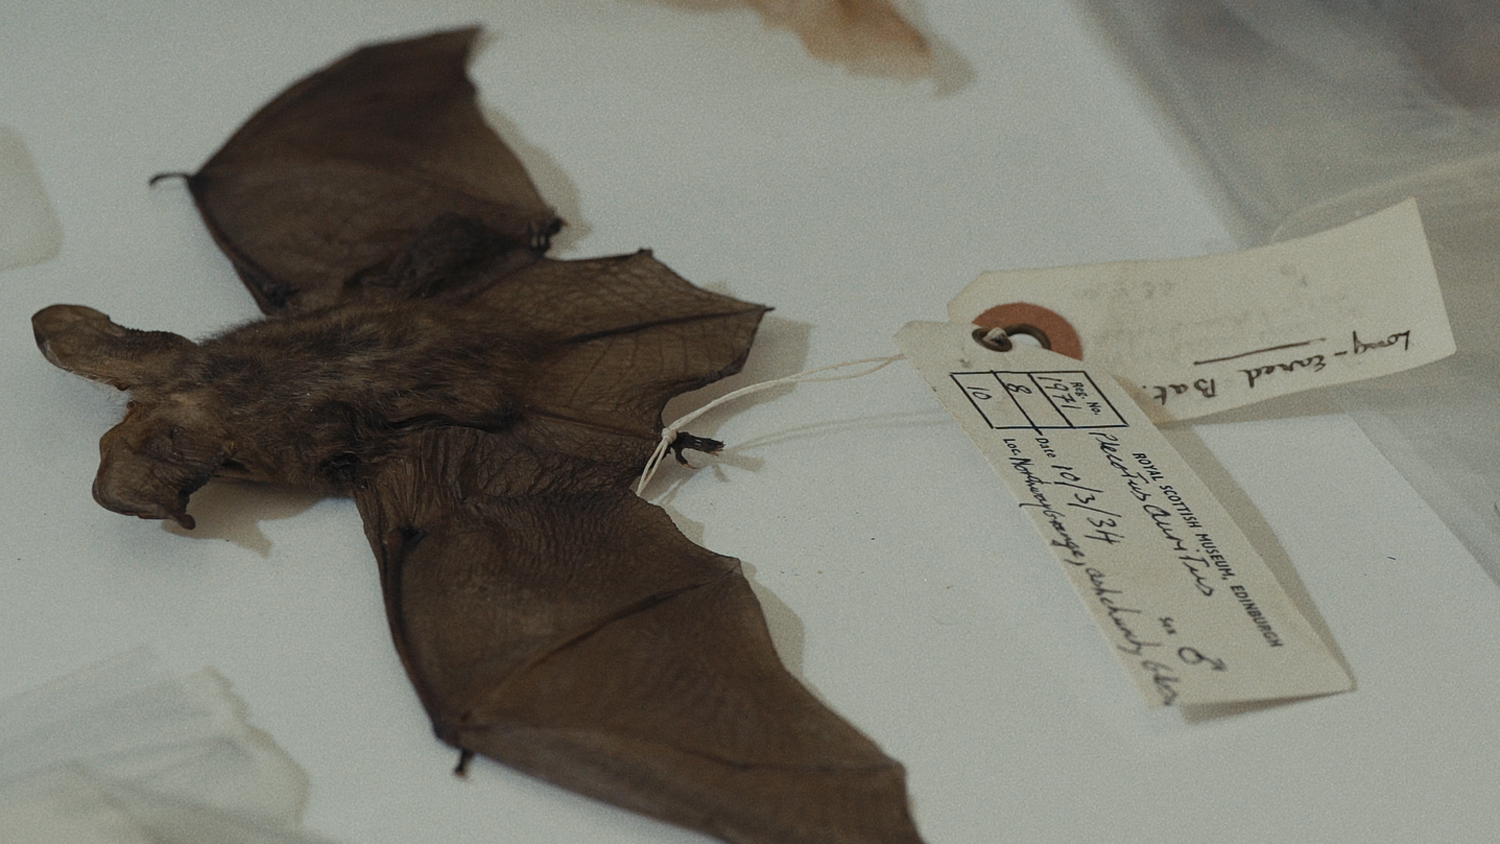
[168, 444]
[158, 456]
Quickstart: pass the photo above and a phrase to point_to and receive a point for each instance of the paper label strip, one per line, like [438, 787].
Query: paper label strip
[1202, 335]
[1185, 603]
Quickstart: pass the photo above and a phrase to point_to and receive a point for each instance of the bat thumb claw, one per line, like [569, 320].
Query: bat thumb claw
[684, 440]
[175, 174]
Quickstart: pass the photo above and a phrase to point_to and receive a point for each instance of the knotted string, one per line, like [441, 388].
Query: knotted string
[670, 432]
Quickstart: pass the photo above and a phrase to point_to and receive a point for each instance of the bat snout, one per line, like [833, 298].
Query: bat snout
[130, 500]
[150, 465]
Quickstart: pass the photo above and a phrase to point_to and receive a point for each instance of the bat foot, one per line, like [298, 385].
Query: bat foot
[462, 768]
[685, 440]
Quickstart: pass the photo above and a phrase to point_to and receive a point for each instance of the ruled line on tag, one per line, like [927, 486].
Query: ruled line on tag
[1195, 336]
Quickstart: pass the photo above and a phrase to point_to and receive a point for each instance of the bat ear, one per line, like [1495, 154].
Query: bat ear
[85, 342]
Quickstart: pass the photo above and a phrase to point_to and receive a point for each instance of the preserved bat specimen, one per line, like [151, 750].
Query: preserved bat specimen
[487, 407]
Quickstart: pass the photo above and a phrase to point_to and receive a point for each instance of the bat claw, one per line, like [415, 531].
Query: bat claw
[174, 174]
[541, 236]
[685, 440]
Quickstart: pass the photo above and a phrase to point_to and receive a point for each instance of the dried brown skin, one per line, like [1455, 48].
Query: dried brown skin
[487, 408]
[866, 36]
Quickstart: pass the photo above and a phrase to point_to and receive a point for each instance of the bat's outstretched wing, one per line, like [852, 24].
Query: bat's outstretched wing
[323, 186]
[553, 621]
[579, 637]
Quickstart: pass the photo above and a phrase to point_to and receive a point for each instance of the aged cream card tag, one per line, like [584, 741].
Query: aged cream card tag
[1201, 335]
[1183, 600]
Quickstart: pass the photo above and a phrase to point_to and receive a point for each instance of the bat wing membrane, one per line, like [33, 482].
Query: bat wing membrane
[334, 177]
[577, 636]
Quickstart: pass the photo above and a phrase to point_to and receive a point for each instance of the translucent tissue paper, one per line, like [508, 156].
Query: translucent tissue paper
[124, 753]
[1305, 114]
[29, 231]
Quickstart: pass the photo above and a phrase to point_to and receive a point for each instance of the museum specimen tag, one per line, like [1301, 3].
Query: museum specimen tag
[1201, 335]
[1188, 607]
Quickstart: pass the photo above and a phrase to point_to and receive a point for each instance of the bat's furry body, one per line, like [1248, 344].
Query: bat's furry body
[303, 400]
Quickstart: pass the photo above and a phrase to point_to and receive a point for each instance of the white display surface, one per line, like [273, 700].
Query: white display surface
[901, 583]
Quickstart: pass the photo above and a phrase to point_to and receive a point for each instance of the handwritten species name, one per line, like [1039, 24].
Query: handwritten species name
[1082, 505]
[1359, 348]
[1189, 556]
[1208, 388]
[1136, 480]
[1312, 363]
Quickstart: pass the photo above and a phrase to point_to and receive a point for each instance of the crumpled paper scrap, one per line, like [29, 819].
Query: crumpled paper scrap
[125, 753]
[29, 230]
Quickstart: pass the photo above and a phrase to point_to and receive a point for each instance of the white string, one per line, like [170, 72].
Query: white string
[670, 432]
